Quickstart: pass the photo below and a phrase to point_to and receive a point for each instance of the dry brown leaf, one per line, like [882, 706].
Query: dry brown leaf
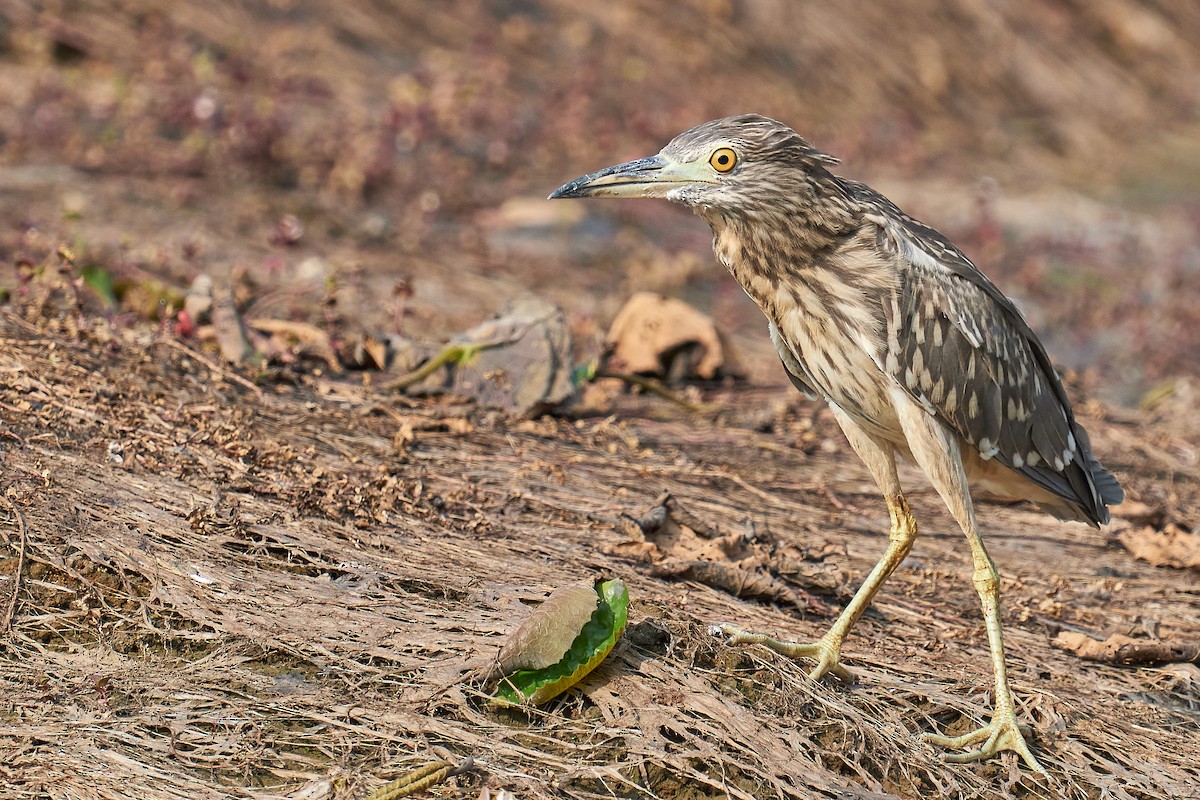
[367, 352]
[651, 329]
[1171, 547]
[299, 338]
[1140, 513]
[545, 637]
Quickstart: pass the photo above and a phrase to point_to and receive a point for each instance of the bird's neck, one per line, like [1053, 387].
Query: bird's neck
[775, 248]
[824, 287]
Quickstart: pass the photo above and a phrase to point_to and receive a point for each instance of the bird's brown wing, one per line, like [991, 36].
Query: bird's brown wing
[963, 350]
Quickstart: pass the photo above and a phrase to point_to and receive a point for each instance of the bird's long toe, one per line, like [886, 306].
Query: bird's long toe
[1002, 733]
[827, 651]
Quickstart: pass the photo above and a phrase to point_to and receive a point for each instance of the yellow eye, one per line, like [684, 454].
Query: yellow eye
[723, 159]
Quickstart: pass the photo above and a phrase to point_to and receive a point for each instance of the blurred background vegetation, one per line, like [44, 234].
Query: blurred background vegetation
[354, 155]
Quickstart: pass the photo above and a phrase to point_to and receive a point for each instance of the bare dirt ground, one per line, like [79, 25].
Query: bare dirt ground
[269, 580]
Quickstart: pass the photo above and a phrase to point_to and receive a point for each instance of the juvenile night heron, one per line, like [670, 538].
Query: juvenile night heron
[913, 348]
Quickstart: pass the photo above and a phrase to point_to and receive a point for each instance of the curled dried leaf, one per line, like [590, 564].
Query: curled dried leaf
[594, 641]
[546, 636]
[651, 330]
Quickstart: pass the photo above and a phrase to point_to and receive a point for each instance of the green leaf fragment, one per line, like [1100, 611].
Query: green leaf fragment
[584, 373]
[595, 641]
[100, 281]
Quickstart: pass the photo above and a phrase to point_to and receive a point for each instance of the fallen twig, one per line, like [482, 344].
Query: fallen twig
[1119, 649]
[653, 387]
[453, 353]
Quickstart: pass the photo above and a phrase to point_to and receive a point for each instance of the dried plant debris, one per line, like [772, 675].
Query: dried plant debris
[518, 362]
[1121, 649]
[1173, 546]
[290, 340]
[563, 640]
[681, 546]
[663, 336]
[294, 585]
[522, 359]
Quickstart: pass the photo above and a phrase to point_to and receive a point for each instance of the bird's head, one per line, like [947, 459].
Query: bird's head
[732, 165]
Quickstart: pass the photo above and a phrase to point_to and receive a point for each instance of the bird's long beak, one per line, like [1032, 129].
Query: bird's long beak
[655, 176]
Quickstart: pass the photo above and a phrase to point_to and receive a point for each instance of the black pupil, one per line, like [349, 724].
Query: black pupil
[722, 159]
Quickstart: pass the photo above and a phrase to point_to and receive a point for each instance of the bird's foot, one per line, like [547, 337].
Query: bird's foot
[1002, 733]
[826, 650]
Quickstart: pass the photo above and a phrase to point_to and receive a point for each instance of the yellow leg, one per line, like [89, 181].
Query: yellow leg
[1003, 732]
[937, 451]
[827, 650]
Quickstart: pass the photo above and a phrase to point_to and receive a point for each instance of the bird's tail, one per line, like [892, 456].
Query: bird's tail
[1106, 491]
